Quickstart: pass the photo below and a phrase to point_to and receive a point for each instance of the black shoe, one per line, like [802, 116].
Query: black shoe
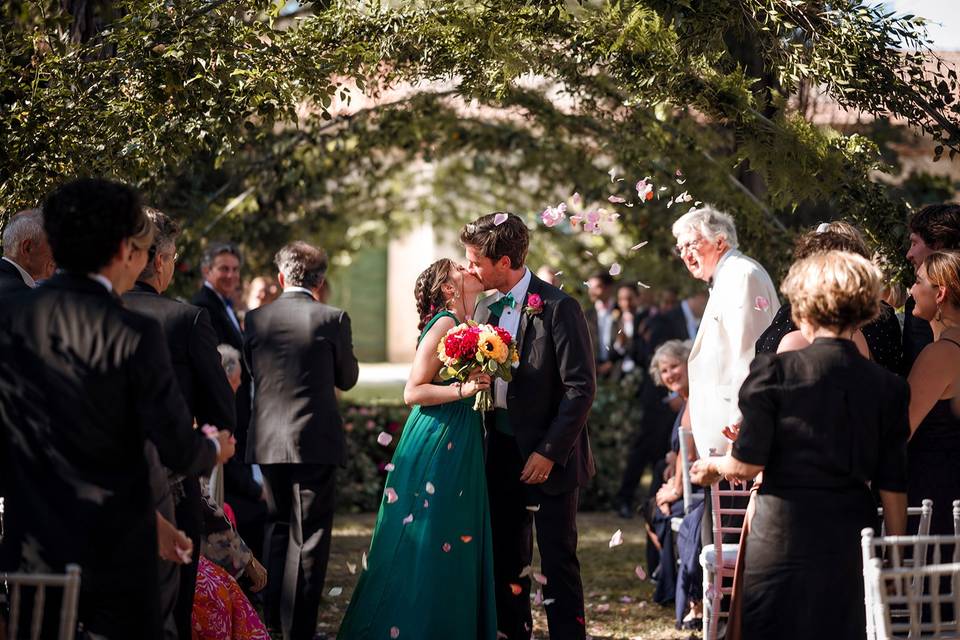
[625, 511]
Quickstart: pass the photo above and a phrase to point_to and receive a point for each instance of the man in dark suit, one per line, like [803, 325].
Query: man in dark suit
[935, 227]
[221, 276]
[200, 376]
[84, 383]
[26, 253]
[299, 351]
[538, 452]
[601, 321]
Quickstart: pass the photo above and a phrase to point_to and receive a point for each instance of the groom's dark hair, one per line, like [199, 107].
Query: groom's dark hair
[509, 238]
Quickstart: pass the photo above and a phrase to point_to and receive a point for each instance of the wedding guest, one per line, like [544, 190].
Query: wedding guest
[84, 383]
[192, 343]
[230, 359]
[244, 492]
[824, 425]
[601, 322]
[669, 298]
[742, 302]
[628, 319]
[935, 227]
[26, 253]
[300, 351]
[260, 291]
[680, 322]
[878, 340]
[933, 453]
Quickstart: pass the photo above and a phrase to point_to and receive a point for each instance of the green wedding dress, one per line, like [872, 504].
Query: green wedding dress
[429, 572]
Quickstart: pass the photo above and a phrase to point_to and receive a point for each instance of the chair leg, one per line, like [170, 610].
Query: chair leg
[707, 601]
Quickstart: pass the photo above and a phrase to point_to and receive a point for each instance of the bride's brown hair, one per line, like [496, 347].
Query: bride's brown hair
[428, 291]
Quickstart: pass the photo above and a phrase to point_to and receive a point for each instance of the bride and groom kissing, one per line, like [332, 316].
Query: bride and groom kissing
[452, 546]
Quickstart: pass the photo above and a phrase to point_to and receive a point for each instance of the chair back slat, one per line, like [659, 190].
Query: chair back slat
[69, 582]
[39, 601]
[686, 436]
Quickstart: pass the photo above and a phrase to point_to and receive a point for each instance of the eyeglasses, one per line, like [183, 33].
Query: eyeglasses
[681, 249]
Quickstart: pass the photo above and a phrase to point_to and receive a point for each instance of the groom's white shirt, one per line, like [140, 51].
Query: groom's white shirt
[724, 347]
[509, 320]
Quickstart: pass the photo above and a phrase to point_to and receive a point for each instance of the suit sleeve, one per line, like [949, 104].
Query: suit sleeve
[578, 375]
[347, 367]
[891, 472]
[743, 322]
[160, 407]
[215, 403]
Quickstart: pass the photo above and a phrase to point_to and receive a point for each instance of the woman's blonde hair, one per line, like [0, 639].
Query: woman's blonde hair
[943, 270]
[835, 290]
[678, 350]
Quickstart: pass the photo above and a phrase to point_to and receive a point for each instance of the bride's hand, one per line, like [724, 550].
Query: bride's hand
[476, 382]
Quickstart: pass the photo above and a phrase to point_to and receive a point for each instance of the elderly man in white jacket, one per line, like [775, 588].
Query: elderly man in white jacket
[742, 304]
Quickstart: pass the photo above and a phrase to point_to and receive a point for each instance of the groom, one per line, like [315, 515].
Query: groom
[538, 454]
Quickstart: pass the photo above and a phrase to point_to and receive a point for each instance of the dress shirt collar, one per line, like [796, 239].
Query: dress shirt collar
[298, 290]
[225, 301]
[102, 279]
[27, 278]
[520, 289]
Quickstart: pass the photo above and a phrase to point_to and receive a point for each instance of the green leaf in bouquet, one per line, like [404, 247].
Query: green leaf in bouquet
[505, 374]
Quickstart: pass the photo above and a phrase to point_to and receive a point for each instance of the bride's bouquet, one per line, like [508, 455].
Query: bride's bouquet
[470, 347]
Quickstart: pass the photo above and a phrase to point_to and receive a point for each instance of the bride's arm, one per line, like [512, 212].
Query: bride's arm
[420, 388]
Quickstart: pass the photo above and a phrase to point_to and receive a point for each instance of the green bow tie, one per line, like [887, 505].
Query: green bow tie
[496, 309]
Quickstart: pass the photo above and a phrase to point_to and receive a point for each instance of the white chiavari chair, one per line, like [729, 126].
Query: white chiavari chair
[69, 582]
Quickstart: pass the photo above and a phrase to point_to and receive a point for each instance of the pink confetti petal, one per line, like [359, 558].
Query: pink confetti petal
[394, 632]
[538, 598]
[637, 247]
[450, 446]
[389, 467]
[616, 539]
[761, 304]
[616, 199]
[426, 504]
[466, 539]
[384, 439]
[430, 488]
[640, 572]
[500, 218]
[576, 200]
[626, 599]
[446, 547]
[540, 578]
[615, 269]
[408, 519]
[391, 495]
[602, 608]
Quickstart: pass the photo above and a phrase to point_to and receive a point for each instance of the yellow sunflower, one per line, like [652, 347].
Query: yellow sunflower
[491, 347]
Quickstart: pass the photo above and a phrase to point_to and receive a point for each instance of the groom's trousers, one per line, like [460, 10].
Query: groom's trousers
[298, 544]
[514, 508]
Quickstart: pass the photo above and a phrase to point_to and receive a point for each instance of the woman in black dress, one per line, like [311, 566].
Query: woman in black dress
[879, 339]
[824, 424]
[934, 449]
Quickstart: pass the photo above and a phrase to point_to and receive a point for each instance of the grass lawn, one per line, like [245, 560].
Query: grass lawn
[619, 605]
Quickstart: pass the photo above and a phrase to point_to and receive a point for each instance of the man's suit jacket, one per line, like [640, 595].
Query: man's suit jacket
[671, 325]
[11, 281]
[83, 384]
[299, 351]
[553, 386]
[193, 351]
[742, 304]
[592, 320]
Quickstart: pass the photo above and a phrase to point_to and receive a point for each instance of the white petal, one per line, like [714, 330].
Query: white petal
[384, 439]
[615, 269]
[394, 632]
[616, 539]
[640, 284]
[533, 507]
[352, 568]
[389, 467]
[336, 591]
[430, 488]
[391, 495]
[639, 246]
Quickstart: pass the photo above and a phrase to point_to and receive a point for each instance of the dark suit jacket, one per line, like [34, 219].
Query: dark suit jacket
[593, 329]
[83, 383]
[299, 350]
[193, 351]
[10, 279]
[553, 387]
[671, 325]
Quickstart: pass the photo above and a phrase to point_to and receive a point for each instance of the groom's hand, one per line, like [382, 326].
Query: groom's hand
[537, 469]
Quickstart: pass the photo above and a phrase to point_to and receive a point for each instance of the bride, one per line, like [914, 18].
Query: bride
[429, 574]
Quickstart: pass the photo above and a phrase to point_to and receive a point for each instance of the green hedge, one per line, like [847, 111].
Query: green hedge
[611, 423]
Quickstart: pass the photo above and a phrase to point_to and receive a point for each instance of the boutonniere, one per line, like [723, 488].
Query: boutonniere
[534, 305]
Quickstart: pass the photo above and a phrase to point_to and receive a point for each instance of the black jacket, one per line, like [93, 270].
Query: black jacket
[299, 351]
[11, 281]
[83, 383]
[193, 351]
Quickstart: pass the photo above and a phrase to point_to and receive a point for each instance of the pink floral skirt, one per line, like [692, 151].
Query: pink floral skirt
[220, 609]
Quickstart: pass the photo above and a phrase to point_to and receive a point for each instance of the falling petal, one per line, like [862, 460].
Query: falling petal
[680, 181]
[626, 599]
[446, 547]
[409, 519]
[561, 286]
[640, 572]
[450, 446]
[640, 284]
[616, 199]
[761, 304]
[576, 200]
[352, 568]
[466, 539]
[426, 504]
[363, 560]
[616, 539]
[335, 591]
[539, 577]
[389, 467]
[589, 254]
[526, 571]
[582, 622]
[515, 589]
[679, 173]
[430, 488]
[391, 495]
[533, 507]
[558, 274]
[697, 203]
[662, 189]
[384, 439]
[639, 246]
[394, 632]
[548, 602]
[615, 269]
[613, 174]
[500, 218]
[538, 597]
[602, 608]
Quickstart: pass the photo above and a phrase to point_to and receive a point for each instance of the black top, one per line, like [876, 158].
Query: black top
[824, 417]
[916, 335]
[882, 336]
[11, 281]
[300, 351]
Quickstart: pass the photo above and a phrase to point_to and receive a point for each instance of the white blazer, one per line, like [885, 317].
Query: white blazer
[742, 304]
